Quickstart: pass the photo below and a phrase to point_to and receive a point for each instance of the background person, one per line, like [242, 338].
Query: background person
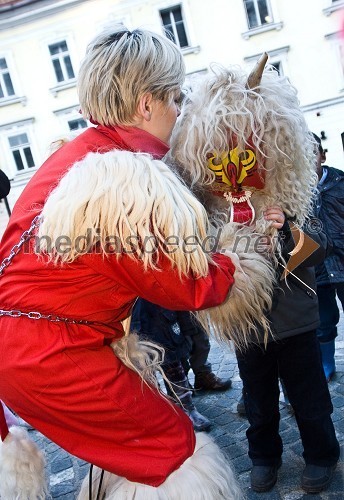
[330, 273]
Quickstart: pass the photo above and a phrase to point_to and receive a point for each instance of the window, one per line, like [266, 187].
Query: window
[61, 61]
[278, 67]
[6, 86]
[77, 124]
[173, 22]
[258, 13]
[21, 151]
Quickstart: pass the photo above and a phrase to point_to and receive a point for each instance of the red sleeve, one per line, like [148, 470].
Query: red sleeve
[164, 287]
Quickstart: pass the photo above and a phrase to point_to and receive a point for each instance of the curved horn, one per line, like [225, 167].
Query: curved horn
[255, 76]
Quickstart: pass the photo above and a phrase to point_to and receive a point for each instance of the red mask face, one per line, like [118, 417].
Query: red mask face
[235, 170]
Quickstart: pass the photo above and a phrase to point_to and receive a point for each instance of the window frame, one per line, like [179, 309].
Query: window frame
[22, 149]
[14, 129]
[257, 13]
[17, 96]
[3, 84]
[176, 40]
[66, 115]
[60, 57]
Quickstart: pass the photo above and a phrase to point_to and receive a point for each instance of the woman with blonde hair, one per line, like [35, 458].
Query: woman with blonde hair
[102, 222]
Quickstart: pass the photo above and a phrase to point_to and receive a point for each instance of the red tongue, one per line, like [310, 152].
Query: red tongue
[241, 210]
[232, 175]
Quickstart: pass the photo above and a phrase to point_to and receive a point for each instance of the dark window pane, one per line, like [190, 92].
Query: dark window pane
[18, 160]
[183, 41]
[69, 67]
[8, 84]
[1, 92]
[165, 17]
[55, 48]
[58, 70]
[277, 66]
[3, 64]
[251, 14]
[77, 124]
[263, 12]
[28, 157]
[177, 13]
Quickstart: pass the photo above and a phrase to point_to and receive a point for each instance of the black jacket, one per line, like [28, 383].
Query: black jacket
[295, 305]
[330, 210]
[167, 328]
[5, 185]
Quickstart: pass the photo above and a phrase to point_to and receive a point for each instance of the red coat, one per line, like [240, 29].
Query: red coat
[63, 378]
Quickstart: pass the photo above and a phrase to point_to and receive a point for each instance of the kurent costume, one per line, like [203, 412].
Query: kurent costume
[248, 149]
[59, 316]
[261, 154]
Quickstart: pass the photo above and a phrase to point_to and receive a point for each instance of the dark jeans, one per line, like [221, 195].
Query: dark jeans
[328, 310]
[199, 347]
[297, 361]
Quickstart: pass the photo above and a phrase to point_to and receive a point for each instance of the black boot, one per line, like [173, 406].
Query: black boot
[264, 477]
[316, 478]
[181, 387]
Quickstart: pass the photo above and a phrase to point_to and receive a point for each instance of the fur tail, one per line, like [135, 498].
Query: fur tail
[206, 475]
[22, 475]
[241, 318]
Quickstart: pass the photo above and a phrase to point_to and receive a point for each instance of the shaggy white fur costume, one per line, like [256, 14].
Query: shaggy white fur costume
[132, 196]
[22, 475]
[221, 112]
[206, 475]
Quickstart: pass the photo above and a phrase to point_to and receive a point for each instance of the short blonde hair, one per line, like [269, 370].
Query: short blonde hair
[120, 66]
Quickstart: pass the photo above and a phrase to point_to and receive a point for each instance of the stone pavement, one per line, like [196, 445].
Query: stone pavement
[66, 472]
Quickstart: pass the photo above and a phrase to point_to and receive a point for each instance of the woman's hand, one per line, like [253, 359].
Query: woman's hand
[276, 215]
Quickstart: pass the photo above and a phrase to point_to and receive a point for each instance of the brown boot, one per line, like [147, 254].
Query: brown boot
[208, 381]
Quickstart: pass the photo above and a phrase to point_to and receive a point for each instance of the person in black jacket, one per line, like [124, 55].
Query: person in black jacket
[330, 273]
[293, 354]
[162, 326]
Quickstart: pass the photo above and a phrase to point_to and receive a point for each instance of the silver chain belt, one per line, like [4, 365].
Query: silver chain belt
[15, 313]
[23, 239]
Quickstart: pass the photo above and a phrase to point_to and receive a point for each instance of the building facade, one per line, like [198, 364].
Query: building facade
[43, 41]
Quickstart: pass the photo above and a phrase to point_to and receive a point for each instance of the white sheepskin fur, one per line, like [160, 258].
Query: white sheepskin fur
[220, 107]
[238, 317]
[206, 475]
[22, 474]
[142, 356]
[130, 201]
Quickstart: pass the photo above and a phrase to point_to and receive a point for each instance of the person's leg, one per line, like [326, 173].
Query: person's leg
[327, 331]
[205, 379]
[259, 373]
[301, 369]
[180, 391]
